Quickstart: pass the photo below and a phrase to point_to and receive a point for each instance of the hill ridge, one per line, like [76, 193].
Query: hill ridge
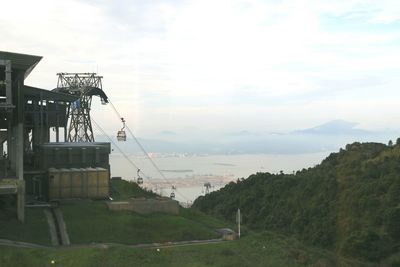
[348, 203]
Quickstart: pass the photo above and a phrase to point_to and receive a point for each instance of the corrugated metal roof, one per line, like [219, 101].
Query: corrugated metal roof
[48, 95]
[22, 62]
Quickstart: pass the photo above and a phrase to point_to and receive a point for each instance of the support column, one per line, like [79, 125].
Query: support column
[21, 201]
[19, 142]
[8, 83]
[11, 147]
[19, 161]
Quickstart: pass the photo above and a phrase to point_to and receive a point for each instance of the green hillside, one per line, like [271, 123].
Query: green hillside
[255, 249]
[123, 189]
[350, 203]
[35, 229]
[89, 221]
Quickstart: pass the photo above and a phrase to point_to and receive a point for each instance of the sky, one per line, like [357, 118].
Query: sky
[219, 66]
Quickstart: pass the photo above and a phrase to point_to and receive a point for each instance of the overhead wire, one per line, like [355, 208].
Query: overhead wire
[145, 152]
[121, 151]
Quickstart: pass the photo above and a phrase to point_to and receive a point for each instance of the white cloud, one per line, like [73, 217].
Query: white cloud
[159, 59]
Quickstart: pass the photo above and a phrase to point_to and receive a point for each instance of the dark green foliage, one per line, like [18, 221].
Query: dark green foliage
[350, 202]
[392, 222]
[367, 244]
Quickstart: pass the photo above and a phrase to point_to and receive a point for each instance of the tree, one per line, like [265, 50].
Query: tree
[390, 143]
[398, 141]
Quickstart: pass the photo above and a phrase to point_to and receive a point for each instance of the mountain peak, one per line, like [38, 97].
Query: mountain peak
[334, 127]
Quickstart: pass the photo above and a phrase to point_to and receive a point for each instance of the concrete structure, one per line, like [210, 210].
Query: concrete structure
[72, 155]
[146, 205]
[29, 118]
[17, 187]
[14, 68]
[227, 234]
[78, 183]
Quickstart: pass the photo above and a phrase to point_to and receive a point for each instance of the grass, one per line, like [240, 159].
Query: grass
[262, 249]
[91, 221]
[122, 189]
[202, 218]
[34, 230]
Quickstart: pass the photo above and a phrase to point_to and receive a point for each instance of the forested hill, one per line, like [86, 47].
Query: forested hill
[349, 203]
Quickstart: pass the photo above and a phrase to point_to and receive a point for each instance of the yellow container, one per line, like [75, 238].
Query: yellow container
[78, 183]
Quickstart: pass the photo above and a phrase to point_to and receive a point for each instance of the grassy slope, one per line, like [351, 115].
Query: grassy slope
[93, 222]
[35, 228]
[122, 189]
[265, 249]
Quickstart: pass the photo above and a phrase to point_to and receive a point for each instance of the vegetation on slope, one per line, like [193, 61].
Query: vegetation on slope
[350, 202]
[35, 229]
[92, 221]
[123, 189]
[262, 249]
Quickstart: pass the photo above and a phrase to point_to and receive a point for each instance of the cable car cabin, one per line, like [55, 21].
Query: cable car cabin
[140, 180]
[172, 195]
[121, 136]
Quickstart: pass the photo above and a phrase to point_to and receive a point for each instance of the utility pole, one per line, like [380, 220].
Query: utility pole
[238, 221]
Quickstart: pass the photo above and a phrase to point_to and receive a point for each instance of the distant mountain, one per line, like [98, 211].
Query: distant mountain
[335, 127]
[348, 203]
[329, 136]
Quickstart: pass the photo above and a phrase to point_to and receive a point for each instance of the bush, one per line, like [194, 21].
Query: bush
[392, 222]
[367, 245]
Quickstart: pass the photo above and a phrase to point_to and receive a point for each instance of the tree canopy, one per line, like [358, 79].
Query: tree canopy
[350, 202]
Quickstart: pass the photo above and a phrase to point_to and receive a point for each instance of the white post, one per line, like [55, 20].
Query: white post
[238, 220]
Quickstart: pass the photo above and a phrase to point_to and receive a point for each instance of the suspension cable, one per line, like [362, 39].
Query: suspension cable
[120, 150]
[145, 152]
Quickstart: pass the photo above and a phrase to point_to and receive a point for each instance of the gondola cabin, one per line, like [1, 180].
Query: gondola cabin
[121, 135]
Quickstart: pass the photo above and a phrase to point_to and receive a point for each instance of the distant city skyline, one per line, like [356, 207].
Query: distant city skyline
[220, 66]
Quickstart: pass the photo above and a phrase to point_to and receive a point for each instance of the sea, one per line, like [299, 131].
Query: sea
[189, 173]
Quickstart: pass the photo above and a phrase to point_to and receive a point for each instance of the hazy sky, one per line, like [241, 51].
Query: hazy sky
[220, 66]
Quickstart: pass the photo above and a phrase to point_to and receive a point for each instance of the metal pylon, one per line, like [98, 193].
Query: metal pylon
[83, 85]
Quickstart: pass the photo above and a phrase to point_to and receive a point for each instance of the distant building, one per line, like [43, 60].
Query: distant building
[227, 234]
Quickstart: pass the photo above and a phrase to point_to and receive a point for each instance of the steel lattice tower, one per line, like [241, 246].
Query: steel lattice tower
[83, 85]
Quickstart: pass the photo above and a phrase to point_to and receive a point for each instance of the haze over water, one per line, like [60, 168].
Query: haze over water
[231, 167]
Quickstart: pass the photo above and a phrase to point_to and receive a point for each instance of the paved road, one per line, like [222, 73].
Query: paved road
[12, 243]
